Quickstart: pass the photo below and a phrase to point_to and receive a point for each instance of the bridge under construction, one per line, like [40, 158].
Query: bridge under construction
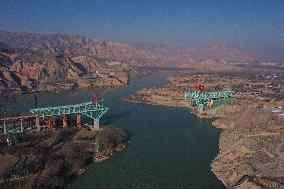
[207, 100]
[93, 109]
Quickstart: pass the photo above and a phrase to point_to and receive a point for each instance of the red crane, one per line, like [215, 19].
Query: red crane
[198, 86]
[96, 98]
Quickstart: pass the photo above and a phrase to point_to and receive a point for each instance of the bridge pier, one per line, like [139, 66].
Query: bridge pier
[37, 124]
[22, 129]
[49, 122]
[91, 109]
[5, 129]
[52, 122]
[64, 121]
[96, 124]
[79, 121]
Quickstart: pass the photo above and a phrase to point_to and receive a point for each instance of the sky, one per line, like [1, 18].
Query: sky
[256, 25]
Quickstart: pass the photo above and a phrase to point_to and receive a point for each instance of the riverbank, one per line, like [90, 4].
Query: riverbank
[251, 146]
[251, 143]
[53, 158]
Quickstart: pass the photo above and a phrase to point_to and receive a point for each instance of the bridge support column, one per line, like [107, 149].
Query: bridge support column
[22, 129]
[96, 124]
[52, 122]
[49, 122]
[64, 121]
[5, 129]
[79, 121]
[37, 124]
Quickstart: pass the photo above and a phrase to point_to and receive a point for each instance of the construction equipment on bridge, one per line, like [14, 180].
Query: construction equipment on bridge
[94, 109]
[198, 86]
[206, 100]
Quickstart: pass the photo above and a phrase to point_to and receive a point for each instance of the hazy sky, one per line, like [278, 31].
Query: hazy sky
[251, 24]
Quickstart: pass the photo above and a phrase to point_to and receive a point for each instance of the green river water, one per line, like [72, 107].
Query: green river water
[170, 148]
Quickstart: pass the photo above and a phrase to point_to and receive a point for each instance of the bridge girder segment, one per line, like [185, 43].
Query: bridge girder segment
[94, 110]
[201, 99]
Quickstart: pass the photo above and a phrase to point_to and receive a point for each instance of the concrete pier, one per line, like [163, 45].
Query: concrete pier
[96, 124]
[37, 124]
[22, 129]
[5, 129]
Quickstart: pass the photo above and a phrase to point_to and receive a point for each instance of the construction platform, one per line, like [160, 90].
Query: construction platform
[208, 100]
[93, 109]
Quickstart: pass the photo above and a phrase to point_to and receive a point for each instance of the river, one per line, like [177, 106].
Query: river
[170, 148]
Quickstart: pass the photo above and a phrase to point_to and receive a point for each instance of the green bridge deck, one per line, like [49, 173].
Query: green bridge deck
[94, 110]
[91, 109]
[201, 99]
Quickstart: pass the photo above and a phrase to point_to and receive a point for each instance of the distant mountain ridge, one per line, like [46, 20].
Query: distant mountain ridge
[35, 58]
[219, 52]
[136, 54]
[30, 60]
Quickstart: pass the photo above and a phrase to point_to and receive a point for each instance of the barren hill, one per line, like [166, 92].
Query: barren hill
[29, 59]
[219, 52]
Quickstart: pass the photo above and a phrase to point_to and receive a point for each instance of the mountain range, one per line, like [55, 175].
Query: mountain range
[29, 59]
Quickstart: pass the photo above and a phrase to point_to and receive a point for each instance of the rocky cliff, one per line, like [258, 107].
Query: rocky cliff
[252, 139]
[38, 60]
[58, 61]
[52, 159]
[251, 147]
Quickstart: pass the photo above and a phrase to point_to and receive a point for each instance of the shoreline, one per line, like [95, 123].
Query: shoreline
[54, 158]
[241, 156]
